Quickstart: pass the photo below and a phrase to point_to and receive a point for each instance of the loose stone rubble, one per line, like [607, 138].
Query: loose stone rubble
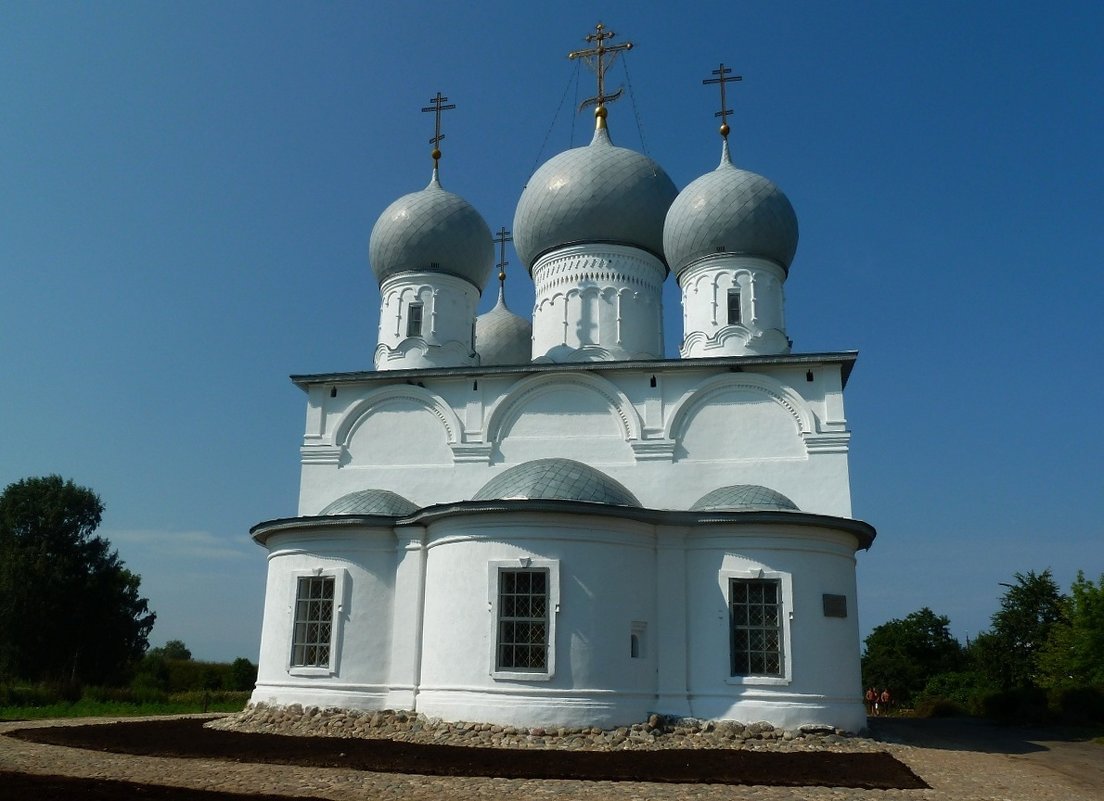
[656, 732]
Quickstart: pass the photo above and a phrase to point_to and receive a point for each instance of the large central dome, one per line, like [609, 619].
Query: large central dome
[597, 193]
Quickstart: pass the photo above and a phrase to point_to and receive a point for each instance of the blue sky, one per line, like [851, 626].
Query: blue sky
[188, 190]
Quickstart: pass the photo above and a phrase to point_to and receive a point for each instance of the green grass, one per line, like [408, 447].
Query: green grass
[175, 704]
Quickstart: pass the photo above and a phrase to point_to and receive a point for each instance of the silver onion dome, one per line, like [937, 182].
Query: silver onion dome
[597, 193]
[502, 337]
[432, 231]
[730, 210]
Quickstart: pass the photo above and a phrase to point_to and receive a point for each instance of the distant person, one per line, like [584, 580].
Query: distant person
[885, 699]
[871, 700]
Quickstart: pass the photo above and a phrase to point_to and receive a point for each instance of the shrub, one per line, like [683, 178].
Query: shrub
[1022, 705]
[939, 708]
[28, 695]
[965, 688]
[1078, 705]
[241, 676]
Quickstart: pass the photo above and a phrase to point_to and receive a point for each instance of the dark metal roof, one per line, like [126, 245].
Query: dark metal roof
[846, 360]
[863, 532]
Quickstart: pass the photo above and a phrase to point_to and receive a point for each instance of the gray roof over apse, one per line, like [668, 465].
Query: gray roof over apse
[371, 502]
[863, 532]
[556, 479]
[733, 211]
[432, 231]
[742, 498]
[597, 193]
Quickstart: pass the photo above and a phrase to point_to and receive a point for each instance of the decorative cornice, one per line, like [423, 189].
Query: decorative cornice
[827, 442]
[471, 452]
[654, 450]
[321, 454]
[846, 360]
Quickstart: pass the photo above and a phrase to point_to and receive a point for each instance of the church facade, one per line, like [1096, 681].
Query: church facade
[545, 521]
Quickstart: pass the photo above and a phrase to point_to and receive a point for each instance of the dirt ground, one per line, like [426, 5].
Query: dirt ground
[1067, 751]
[188, 738]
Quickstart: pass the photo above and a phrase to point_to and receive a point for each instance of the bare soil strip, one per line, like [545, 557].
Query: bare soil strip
[187, 738]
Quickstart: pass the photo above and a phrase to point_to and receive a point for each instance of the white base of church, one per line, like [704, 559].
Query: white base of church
[578, 709]
[637, 605]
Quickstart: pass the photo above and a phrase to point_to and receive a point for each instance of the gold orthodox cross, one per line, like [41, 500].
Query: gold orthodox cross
[437, 107]
[722, 79]
[596, 58]
[502, 238]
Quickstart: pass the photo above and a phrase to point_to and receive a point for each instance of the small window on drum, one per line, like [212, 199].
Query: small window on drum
[414, 320]
[734, 307]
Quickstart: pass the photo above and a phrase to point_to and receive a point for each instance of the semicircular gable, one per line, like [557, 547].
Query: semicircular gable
[577, 392]
[741, 416]
[394, 396]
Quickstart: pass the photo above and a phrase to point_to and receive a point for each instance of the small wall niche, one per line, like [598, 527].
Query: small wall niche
[638, 640]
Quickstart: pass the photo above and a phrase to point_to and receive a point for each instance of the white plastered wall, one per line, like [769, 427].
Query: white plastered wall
[362, 561]
[692, 432]
[594, 680]
[425, 640]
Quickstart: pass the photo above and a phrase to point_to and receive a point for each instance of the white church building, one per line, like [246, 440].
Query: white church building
[548, 522]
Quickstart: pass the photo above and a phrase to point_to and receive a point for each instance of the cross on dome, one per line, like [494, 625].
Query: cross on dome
[502, 237]
[437, 107]
[596, 58]
[723, 73]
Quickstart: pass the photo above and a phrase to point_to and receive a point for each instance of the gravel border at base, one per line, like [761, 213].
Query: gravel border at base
[656, 733]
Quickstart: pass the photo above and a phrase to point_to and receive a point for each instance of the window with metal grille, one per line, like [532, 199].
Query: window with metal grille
[414, 320]
[756, 613]
[522, 620]
[314, 607]
[733, 306]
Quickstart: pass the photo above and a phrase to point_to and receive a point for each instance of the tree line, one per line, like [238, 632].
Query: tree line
[71, 613]
[1041, 659]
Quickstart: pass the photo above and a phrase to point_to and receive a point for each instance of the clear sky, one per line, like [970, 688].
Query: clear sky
[187, 191]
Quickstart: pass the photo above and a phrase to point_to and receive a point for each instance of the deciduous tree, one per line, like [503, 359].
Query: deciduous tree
[69, 608]
[903, 655]
[1008, 654]
[1073, 654]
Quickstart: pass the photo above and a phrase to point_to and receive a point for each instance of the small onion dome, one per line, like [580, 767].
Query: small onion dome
[371, 502]
[432, 231]
[502, 337]
[730, 210]
[556, 479]
[744, 498]
[597, 193]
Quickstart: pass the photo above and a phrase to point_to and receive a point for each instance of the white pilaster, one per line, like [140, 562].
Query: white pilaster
[408, 610]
